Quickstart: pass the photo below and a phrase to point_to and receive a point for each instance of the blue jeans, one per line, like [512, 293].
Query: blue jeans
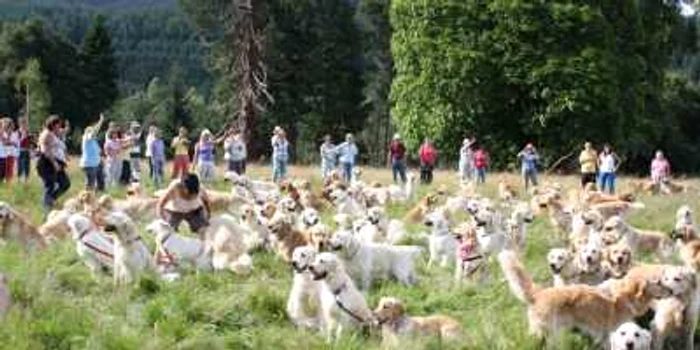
[398, 168]
[606, 182]
[480, 175]
[279, 170]
[91, 175]
[530, 177]
[158, 168]
[326, 168]
[347, 171]
[23, 164]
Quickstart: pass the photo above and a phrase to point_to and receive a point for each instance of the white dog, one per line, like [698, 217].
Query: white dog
[309, 218]
[342, 304]
[172, 250]
[229, 251]
[346, 204]
[402, 194]
[629, 336]
[131, 256]
[561, 265]
[441, 242]
[304, 298]
[393, 230]
[95, 248]
[588, 264]
[517, 224]
[366, 263]
[490, 232]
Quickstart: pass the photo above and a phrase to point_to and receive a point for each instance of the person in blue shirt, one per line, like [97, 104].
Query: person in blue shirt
[347, 152]
[529, 158]
[91, 155]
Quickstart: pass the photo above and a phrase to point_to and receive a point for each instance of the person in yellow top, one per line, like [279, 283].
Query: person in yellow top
[181, 146]
[589, 162]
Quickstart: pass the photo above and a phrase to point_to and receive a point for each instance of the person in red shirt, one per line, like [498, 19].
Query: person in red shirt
[397, 152]
[481, 163]
[428, 157]
[25, 145]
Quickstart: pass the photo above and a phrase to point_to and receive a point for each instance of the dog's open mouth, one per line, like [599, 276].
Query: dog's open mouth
[528, 220]
[335, 247]
[110, 228]
[428, 223]
[297, 268]
[318, 275]
[480, 223]
[555, 269]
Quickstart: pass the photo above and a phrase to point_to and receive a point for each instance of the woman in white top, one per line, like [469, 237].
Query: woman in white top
[149, 140]
[51, 165]
[608, 162]
[186, 201]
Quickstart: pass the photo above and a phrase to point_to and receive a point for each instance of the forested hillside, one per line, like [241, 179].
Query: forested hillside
[150, 37]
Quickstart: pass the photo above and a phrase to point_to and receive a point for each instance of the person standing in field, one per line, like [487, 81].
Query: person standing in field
[328, 157]
[280, 154]
[588, 159]
[528, 159]
[608, 161]
[51, 165]
[428, 157]
[25, 145]
[397, 152]
[114, 163]
[660, 171]
[134, 136]
[157, 156]
[235, 152]
[12, 150]
[481, 164]
[90, 155]
[204, 161]
[181, 147]
[4, 141]
[466, 160]
[347, 153]
[149, 153]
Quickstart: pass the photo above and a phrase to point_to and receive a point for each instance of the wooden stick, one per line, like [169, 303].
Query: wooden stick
[554, 166]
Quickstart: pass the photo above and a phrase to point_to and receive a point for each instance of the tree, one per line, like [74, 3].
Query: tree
[99, 68]
[32, 82]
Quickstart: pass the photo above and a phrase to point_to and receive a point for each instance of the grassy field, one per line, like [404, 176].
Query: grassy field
[60, 306]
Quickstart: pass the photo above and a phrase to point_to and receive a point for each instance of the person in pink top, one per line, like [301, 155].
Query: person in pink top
[660, 169]
[428, 157]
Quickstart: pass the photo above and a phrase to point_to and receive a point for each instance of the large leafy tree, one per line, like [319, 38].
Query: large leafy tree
[32, 83]
[98, 68]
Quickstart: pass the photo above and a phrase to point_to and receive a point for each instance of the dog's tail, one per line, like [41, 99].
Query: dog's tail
[520, 283]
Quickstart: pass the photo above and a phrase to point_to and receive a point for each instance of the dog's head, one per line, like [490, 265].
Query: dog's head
[339, 195]
[679, 280]
[344, 241]
[684, 215]
[522, 213]
[358, 224]
[268, 210]
[558, 258]
[310, 217]
[247, 213]
[375, 215]
[134, 190]
[325, 265]
[487, 218]
[389, 309]
[121, 226]
[684, 233]
[87, 198]
[106, 202]
[590, 257]
[593, 219]
[473, 206]
[280, 226]
[344, 221]
[78, 224]
[630, 336]
[160, 229]
[287, 205]
[320, 237]
[302, 258]
[619, 256]
[437, 221]
[6, 212]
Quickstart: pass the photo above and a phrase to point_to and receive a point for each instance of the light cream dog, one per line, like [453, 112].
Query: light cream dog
[14, 226]
[94, 247]
[304, 302]
[225, 239]
[131, 256]
[342, 304]
[173, 250]
[630, 336]
[654, 242]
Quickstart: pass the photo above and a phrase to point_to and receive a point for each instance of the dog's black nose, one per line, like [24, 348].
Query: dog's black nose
[629, 345]
[589, 259]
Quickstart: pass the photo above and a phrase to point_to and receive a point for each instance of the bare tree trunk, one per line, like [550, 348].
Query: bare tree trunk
[250, 72]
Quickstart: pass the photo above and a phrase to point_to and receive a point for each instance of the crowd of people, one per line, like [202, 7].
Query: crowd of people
[116, 160]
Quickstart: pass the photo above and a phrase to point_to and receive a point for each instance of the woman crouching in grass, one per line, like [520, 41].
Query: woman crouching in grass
[186, 201]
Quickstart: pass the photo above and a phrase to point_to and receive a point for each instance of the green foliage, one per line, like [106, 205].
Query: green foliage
[32, 82]
[99, 68]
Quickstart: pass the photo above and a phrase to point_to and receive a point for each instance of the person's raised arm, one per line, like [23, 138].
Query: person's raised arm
[98, 126]
[206, 203]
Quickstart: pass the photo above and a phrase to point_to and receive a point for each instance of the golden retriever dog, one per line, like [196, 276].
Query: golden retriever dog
[630, 336]
[561, 264]
[320, 237]
[551, 310]
[417, 214]
[619, 208]
[303, 304]
[678, 314]
[689, 246]
[224, 237]
[396, 325]
[5, 297]
[342, 304]
[684, 216]
[617, 260]
[507, 192]
[14, 226]
[654, 242]
[226, 202]
[286, 236]
[139, 209]
[255, 230]
[131, 256]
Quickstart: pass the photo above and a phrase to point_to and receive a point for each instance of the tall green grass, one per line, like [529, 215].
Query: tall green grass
[59, 305]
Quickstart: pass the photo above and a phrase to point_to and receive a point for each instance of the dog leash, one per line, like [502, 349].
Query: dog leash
[340, 304]
[92, 246]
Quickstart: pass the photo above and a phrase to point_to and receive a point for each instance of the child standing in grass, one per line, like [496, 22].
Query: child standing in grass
[90, 155]
[204, 157]
[181, 146]
[157, 157]
[481, 163]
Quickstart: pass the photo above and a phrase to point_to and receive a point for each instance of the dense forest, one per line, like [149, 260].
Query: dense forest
[552, 72]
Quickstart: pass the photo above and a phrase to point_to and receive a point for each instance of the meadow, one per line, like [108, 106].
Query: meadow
[59, 305]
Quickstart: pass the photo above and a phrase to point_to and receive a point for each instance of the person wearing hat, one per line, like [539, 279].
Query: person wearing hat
[588, 159]
[528, 160]
[466, 160]
[134, 137]
[347, 152]
[328, 157]
[397, 152]
[204, 157]
[90, 156]
[280, 154]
